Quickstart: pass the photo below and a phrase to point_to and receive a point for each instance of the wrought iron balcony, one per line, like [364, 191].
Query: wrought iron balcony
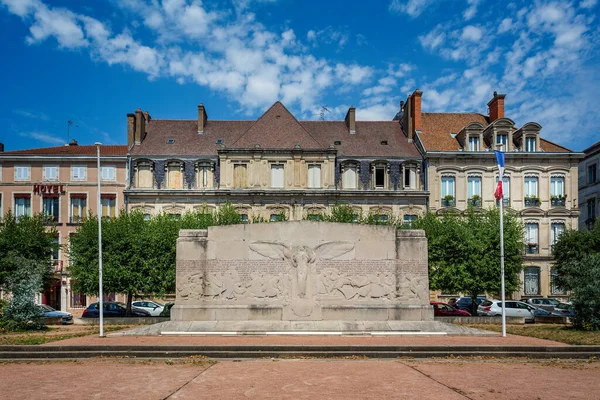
[475, 201]
[532, 202]
[558, 201]
[76, 220]
[532, 248]
[448, 202]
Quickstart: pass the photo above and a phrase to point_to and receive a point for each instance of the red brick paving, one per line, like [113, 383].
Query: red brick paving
[301, 379]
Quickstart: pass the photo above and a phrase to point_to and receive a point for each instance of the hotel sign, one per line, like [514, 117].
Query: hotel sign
[47, 189]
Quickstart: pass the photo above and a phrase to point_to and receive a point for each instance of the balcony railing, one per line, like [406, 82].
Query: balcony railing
[76, 220]
[505, 202]
[475, 202]
[532, 248]
[532, 202]
[557, 201]
[447, 202]
[50, 219]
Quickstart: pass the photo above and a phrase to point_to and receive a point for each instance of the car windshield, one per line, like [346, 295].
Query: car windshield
[47, 308]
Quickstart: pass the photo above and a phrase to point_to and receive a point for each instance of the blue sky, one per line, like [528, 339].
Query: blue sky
[94, 61]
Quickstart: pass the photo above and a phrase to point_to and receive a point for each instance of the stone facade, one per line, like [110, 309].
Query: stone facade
[540, 179]
[589, 187]
[305, 271]
[61, 182]
[275, 165]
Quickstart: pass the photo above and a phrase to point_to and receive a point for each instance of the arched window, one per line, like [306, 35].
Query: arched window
[144, 174]
[532, 238]
[448, 190]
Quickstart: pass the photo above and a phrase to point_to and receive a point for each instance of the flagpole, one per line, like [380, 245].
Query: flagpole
[500, 176]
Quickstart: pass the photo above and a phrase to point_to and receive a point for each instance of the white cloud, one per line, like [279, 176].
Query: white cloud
[414, 8]
[505, 25]
[326, 36]
[471, 10]
[588, 3]
[32, 114]
[433, 39]
[43, 137]
[471, 33]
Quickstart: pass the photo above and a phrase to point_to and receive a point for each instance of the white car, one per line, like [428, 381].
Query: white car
[513, 308]
[152, 307]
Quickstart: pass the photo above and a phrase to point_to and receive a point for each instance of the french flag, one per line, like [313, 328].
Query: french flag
[500, 159]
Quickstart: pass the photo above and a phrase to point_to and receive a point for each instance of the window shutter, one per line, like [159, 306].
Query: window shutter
[277, 180]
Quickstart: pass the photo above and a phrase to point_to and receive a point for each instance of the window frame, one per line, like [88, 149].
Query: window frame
[112, 168]
[79, 167]
[530, 140]
[56, 205]
[379, 169]
[526, 186]
[472, 178]
[345, 179]
[81, 208]
[553, 183]
[532, 271]
[27, 207]
[18, 168]
[314, 170]
[445, 186]
[45, 177]
[474, 143]
[277, 168]
[592, 173]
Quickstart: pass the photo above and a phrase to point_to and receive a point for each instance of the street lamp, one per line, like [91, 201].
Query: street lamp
[99, 214]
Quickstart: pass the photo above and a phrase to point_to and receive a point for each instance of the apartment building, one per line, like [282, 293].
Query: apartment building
[540, 182]
[589, 187]
[61, 183]
[273, 166]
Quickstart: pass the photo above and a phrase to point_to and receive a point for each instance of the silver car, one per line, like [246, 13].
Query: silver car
[546, 304]
[514, 308]
[152, 307]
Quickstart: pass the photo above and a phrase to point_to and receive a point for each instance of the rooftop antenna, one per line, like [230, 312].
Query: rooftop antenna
[322, 113]
[69, 123]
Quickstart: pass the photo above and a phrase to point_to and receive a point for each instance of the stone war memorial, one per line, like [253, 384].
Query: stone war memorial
[302, 271]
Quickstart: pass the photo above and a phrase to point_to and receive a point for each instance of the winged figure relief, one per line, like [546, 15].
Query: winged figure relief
[301, 257]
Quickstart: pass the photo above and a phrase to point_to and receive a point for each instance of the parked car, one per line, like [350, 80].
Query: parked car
[166, 312]
[113, 309]
[152, 307]
[492, 308]
[564, 310]
[446, 310]
[540, 312]
[49, 312]
[546, 304]
[465, 303]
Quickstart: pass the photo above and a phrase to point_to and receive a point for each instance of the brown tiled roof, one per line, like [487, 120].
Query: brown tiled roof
[277, 128]
[187, 141]
[438, 127]
[71, 150]
[366, 142]
[271, 132]
[551, 147]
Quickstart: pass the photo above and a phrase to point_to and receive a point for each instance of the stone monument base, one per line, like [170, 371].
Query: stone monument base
[353, 328]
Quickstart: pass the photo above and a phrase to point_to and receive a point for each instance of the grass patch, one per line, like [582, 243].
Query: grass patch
[52, 335]
[558, 333]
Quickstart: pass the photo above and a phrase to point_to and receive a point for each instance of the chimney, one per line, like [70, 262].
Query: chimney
[351, 120]
[202, 118]
[416, 110]
[130, 130]
[496, 106]
[147, 117]
[140, 126]
[73, 143]
[1, 147]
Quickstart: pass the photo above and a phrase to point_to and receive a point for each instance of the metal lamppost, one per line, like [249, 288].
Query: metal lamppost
[502, 288]
[99, 214]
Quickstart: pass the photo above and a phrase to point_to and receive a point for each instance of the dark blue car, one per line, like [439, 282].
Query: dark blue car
[465, 303]
[113, 309]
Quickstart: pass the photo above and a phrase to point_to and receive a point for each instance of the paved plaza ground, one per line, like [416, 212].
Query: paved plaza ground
[298, 379]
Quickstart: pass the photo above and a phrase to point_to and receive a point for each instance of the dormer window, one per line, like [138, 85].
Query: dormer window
[473, 143]
[502, 139]
[530, 144]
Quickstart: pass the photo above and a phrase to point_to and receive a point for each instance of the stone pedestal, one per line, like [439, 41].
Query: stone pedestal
[302, 271]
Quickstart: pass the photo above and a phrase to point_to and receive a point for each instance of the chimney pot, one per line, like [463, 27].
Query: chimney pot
[73, 143]
[140, 126]
[1, 147]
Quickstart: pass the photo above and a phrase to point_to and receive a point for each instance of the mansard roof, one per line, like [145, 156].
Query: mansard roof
[438, 129]
[278, 129]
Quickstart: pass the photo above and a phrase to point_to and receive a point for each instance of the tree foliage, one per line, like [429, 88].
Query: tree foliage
[26, 244]
[464, 251]
[577, 264]
[139, 255]
[26, 238]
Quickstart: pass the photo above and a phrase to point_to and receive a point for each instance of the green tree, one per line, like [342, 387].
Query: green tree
[26, 239]
[577, 264]
[464, 251]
